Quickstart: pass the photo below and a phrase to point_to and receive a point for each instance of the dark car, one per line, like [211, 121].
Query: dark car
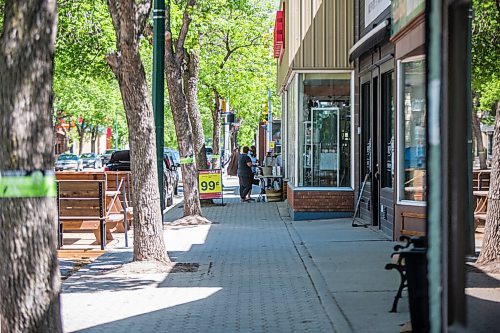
[120, 161]
[91, 160]
[209, 152]
[107, 155]
[173, 162]
[68, 162]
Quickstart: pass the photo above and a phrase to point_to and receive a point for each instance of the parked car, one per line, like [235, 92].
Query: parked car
[209, 152]
[173, 162]
[91, 160]
[68, 162]
[107, 155]
[120, 161]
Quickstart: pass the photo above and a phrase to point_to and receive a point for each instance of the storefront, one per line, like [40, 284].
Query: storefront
[316, 81]
[373, 56]
[408, 36]
[390, 115]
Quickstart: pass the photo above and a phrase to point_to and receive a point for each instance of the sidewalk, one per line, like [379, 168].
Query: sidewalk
[258, 272]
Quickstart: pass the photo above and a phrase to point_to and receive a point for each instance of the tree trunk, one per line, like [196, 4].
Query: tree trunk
[93, 139]
[81, 135]
[129, 19]
[476, 127]
[178, 105]
[217, 127]
[183, 131]
[29, 272]
[490, 250]
[191, 92]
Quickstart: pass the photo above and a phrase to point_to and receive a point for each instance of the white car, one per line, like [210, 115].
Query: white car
[69, 162]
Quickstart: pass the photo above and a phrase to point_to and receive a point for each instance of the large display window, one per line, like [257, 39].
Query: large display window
[324, 130]
[413, 134]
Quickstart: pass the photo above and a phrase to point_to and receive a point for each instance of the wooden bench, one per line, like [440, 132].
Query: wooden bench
[83, 205]
[481, 180]
[409, 232]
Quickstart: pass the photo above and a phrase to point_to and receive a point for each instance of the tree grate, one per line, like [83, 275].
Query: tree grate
[185, 267]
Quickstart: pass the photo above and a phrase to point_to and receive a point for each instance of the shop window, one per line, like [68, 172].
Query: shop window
[387, 167]
[413, 130]
[325, 131]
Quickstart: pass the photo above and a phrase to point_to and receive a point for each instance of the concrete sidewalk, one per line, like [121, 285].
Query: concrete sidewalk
[258, 272]
[347, 265]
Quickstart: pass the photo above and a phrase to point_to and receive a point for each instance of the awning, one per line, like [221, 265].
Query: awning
[376, 36]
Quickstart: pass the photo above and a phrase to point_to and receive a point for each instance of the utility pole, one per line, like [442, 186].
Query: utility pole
[159, 87]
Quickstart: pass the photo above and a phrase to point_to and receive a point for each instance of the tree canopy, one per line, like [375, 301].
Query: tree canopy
[486, 52]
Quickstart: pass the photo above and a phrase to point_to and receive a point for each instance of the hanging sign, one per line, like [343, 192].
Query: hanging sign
[210, 184]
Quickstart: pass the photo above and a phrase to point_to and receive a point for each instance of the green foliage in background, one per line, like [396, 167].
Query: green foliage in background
[84, 85]
[486, 53]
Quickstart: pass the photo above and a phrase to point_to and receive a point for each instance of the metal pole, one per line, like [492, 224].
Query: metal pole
[471, 242]
[269, 120]
[116, 129]
[159, 88]
[435, 272]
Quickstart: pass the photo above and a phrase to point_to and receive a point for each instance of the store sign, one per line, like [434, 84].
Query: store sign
[403, 12]
[210, 184]
[373, 8]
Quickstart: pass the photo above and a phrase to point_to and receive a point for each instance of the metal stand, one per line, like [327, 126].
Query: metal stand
[354, 224]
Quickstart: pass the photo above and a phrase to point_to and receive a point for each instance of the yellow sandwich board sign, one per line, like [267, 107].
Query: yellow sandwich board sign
[210, 184]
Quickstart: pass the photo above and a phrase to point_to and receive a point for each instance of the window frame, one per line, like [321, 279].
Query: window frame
[400, 134]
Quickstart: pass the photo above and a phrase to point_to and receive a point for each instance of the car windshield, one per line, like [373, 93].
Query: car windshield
[88, 155]
[109, 151]
[67, 157]
[209, 151]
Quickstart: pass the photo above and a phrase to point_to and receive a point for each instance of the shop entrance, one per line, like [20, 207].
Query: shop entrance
[377, 144]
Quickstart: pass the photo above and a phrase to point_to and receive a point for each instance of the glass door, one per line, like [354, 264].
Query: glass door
[325, 147]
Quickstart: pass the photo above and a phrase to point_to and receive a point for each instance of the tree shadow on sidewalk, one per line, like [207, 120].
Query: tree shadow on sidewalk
[250, 278]
[483, 300]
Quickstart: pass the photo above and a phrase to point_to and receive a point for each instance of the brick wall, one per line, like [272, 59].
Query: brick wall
[320, 201]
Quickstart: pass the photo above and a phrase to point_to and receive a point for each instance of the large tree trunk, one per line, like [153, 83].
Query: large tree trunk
[217, 126]
[476, 127]
[183, 131]
[490, 250]
[191, 92]
[174, 59]
[29, 272]
[129, 19]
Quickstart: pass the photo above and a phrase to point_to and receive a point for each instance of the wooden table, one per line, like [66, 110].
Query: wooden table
[481, 198]
[481, 201]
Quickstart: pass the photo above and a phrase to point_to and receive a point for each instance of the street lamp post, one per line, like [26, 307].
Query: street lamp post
[159, 87]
